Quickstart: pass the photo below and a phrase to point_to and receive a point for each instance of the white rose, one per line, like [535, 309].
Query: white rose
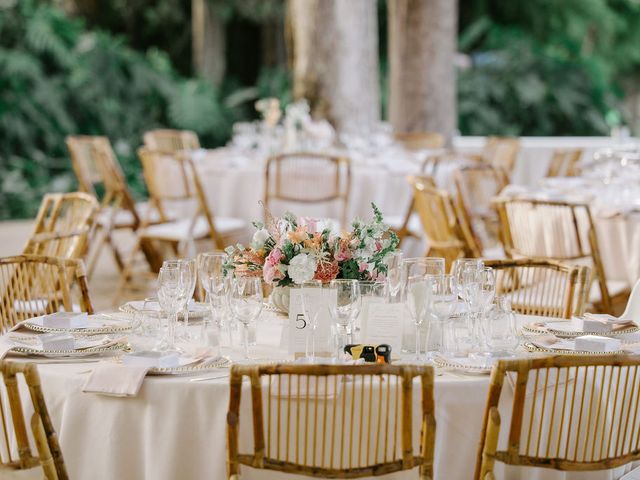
[260, 237]
[302, 268]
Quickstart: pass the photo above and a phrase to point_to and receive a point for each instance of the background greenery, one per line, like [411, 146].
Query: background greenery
[121, 67]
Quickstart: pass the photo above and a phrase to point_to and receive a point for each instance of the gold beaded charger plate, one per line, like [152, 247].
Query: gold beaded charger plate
[189, 366]
[463, 364]
[99, 324]
[564, 329]
[532, 347]
[197, 310]
[78, 353]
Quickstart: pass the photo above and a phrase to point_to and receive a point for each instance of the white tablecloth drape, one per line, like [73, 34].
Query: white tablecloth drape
[175, 428]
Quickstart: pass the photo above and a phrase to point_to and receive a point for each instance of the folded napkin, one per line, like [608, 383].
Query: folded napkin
[553, 343]
[115, 380]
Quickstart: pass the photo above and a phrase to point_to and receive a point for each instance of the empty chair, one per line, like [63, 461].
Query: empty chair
[570, 413]
[445, 228]
[559, 231]
[420, 140]
[333, 421]
[542, 287]
[564, 163]
[63, 226]
[310, 180]
[95, 165]
[32, 285]
[476, 185]
[17, 458]
[171, 141]
[178, 197]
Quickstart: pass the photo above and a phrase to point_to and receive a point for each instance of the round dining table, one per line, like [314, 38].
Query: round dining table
[175, 427]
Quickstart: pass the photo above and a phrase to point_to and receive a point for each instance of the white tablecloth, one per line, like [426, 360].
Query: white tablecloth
[176, 429]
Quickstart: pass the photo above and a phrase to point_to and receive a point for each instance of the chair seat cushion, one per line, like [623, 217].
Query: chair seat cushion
[615, 287]
[179, 230]
[124, 218]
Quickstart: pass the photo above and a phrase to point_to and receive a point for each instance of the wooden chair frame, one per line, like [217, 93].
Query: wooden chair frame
[342, 185]
[171, 141]
[261, 457]
[502, 152]
[420, 140]
[449, 223]
[94, 161]
[464, 178]
[63, 274]
[46, 441]
[568, 297]
[53, 236]
[512, 250]
[564, 163]
[566, 456]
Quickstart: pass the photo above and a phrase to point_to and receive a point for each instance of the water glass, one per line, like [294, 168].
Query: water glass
[313, 303]
[418, 299]
[345, 309]
[214, 283]
[502, 332]
[421, 266]
[246, 302]
[444, 298]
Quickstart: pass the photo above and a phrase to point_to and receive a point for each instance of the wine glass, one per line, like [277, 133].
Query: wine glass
[393, 261]
[443, 303]
[345, 309]
[480, 290]
[212, 280]
[418, 297]
[463, 270]
[188, 271]
[312, 304]
[171, 287]
[246, 302]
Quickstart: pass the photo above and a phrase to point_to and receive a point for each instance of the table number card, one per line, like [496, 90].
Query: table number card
[383, 324]
[299, 328]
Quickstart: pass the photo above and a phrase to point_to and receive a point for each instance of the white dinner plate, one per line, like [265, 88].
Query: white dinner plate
[98, 324]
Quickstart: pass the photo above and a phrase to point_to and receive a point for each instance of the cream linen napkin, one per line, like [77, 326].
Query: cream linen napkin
[115, 379]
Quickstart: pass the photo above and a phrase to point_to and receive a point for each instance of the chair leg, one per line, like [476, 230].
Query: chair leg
[490, 445]
[93, 260]
[125, 274]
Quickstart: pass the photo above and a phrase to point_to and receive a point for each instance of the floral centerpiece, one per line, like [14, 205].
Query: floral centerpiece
[291, 250]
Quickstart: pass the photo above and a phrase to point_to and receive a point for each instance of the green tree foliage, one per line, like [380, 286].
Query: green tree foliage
[57, 78]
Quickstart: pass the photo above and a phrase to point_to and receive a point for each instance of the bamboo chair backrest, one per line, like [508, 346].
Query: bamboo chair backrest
[33, 285]
[168, 140]
[502, 152]
[447, 233]
[63, 226]
[334, 421]
[16, 452]
[552, 230]
[421, 140]
[564, 163]
[542, 287]
[574, 413]
[308, 178]
[95, 162]
[175, 189]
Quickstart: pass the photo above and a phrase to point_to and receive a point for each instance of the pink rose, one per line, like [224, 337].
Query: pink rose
[378, 246]
[362, 267]
[271, 273]
[343, 252]
[274, 257]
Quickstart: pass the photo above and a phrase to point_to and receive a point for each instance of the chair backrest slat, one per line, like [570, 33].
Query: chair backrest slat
[333, 421]
[171, 141]
[502, 152]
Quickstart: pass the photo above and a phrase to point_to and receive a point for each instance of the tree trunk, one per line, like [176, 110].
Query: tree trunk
[335, 59]
[422, 48]
[208, 41]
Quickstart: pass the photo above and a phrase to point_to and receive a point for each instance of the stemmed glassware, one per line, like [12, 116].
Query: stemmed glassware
[480, 289]
[418, 299]
[313, 303]
[502, 331]
[171, 297]
[463, 271]
[444, 298]
[345, 309]
[393, 261]
[188, 271]
[246, 302]
[212, 280]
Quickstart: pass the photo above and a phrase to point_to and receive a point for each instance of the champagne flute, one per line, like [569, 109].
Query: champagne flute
[418, 299]
[345, 309]
[393, 261]
[188, 271]
[212, 280]
[444, 296]
[312, 305]
[171, 289]
[246, 302]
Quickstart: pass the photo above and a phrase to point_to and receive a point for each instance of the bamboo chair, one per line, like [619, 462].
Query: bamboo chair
[553, 230]
[502, 152]
[33, 285]
[171, 141]
[546, 288]
[95, 164]
[571, 413]
[308, 179]
[476, 185]
[15, 462]
[564, 163]
[420, 140]
[175, 191]
[311, 429]
[445, 228]
[408, 225]
[63, 226]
